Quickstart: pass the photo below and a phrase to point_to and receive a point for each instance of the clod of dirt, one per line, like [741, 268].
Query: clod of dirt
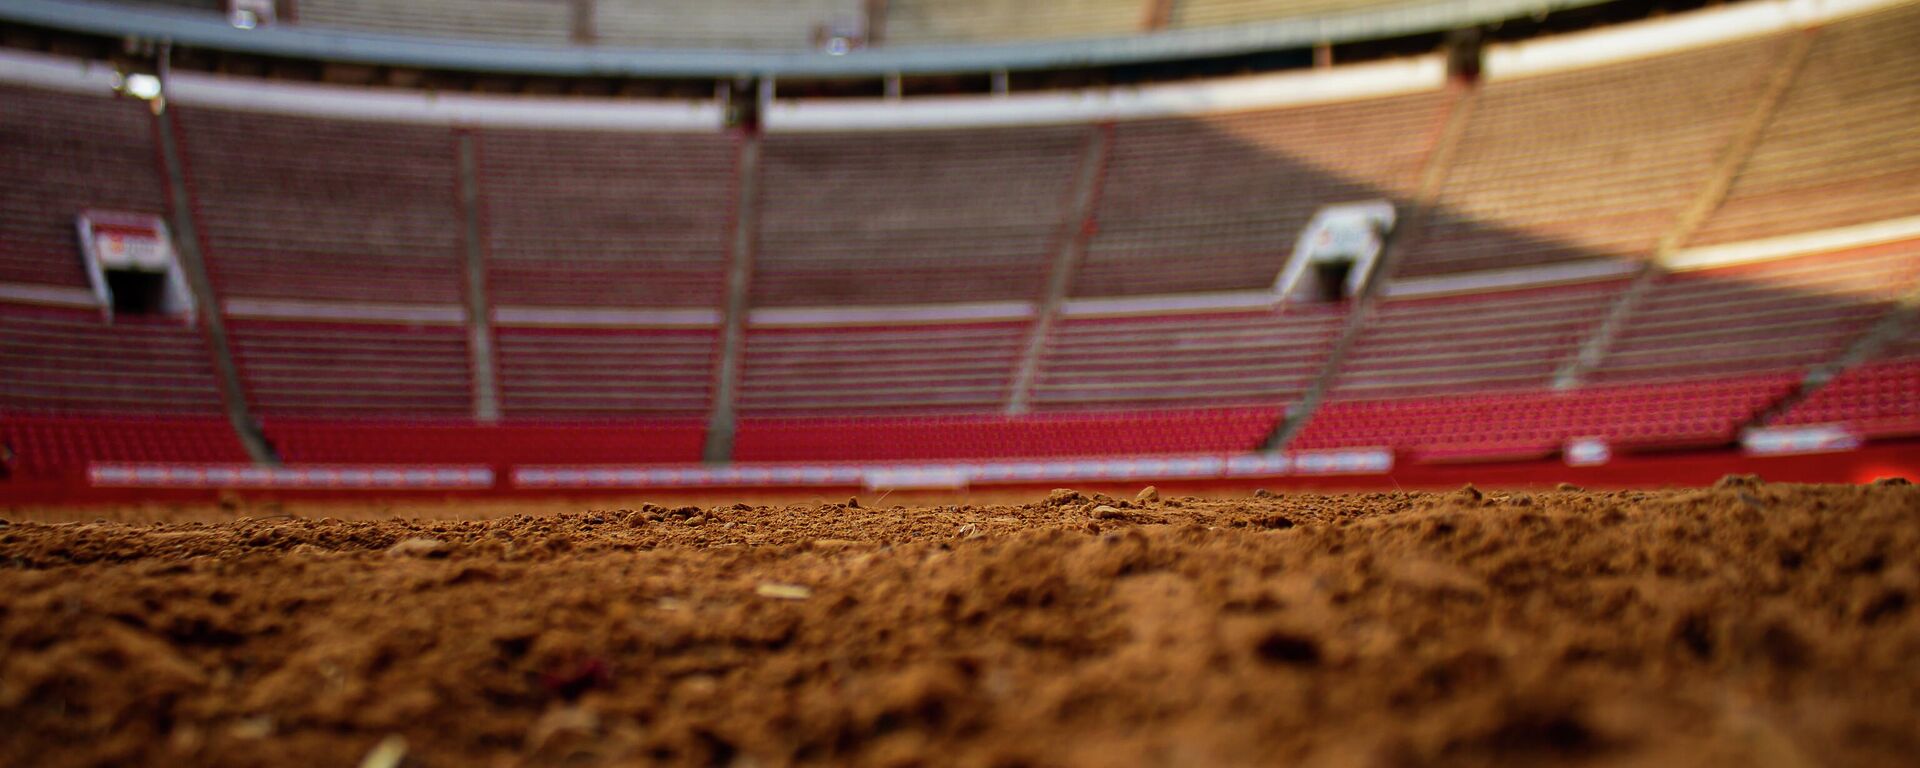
[697, 520]
[1063, 496]
[1147, 495]
[1262, 493]
[1105, 512]
[4, 523]
[1469, 493]
[853, 503]
[418, 546]
[1883, 482]
[1567, 488]
[1737, 481]
[782, 591]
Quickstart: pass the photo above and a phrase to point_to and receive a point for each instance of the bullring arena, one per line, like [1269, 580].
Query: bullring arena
[924, 382]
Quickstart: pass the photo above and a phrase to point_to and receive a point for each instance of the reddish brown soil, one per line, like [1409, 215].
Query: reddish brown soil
[1748, 624]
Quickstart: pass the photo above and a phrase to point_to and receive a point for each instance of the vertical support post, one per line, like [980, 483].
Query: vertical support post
[486, 387]
[746, 226]
[192, 261]
[1075, 230]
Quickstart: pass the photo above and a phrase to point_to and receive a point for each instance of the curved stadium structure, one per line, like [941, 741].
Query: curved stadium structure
[1670, 236]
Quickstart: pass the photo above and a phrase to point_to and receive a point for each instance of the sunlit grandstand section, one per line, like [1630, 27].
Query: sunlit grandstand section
[1837, 150]
[1600, 162]
[532, 21]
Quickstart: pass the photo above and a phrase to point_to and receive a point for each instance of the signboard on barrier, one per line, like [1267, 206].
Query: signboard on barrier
[962, 474]
[1817, 438]
[247, 476]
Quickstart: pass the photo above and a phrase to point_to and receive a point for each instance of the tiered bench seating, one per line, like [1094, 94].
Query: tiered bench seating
[60, 446]
[865, 369]
[785, 25]
[1878, 398]
[527, 21]
[1216, 203]
[1786, 314]
[63, 153]
[1533, 425]
[1841, 148]
[564, 373]
[311, 208]
[302, 441]
[56, 359]
[1103, 433]
[912, 217]
[1183, 360]
[353, 369]
[1589, 164]
[594, 218]
[1214, 13]
[936, 22]
[1490, 340]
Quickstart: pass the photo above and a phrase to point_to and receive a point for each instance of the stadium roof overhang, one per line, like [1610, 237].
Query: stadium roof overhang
[293, 41]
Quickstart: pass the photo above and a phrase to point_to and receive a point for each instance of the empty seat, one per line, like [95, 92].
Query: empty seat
[1106, 433]
[60, 446]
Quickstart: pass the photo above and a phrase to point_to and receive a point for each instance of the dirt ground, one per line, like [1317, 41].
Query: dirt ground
[1745, 624]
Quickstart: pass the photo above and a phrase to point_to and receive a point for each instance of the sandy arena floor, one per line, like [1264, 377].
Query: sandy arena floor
[1747, 624]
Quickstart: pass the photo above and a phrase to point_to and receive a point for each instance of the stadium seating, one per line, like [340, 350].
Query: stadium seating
[572, 373]
[60, 446]
[353, 369]
[1787, 314]
[1183, 360]
[54, 359]
[1532, 425]
[1591, 163]
[1105, 433]
[952, 367]
[923, 22]
[402, 441]
[530, 21]
[845, 217]
[308, 208]
[786, 25]
[1212, 13]
[1879, 398]
[1216, 203]
[1486, 341]
[64, 153]
[580, 218]
[1840, 147]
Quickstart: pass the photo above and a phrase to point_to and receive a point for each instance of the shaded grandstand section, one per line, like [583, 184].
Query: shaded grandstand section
[353, 369]
[61, 153]
[911, 217]
[604, 373]
[56, 359]
[297, 207]
[606, 218]
[879, 369]
[1218, 359]
[1214, 203]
